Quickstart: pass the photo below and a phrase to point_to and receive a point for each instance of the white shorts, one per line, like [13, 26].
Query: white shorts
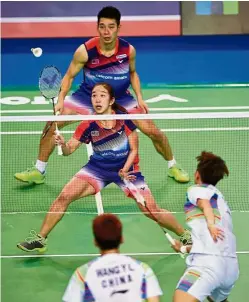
[209, 276]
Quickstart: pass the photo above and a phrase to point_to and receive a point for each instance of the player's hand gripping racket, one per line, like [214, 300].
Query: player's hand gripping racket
[49, 85]
[140, 199]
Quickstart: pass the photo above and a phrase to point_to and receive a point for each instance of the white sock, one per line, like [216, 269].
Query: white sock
[41, 166]
[171, 163]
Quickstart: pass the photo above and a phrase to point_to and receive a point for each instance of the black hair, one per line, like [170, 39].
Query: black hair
[110, 12]
[211, 167]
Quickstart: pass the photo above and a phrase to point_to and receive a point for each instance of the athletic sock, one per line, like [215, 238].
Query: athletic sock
[41, 166]
[171, 163]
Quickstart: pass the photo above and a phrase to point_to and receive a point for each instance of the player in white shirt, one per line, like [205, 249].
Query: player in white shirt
[112, 277]
[212, 265]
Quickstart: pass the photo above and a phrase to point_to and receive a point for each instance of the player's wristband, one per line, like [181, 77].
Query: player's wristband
[183, 249]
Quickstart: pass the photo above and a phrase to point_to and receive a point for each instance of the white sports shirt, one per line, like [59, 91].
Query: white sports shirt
[112, 278]
[202, 240]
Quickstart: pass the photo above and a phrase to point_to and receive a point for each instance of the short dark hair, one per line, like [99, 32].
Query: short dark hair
[107, 230]
[211, 167]
[110, 12]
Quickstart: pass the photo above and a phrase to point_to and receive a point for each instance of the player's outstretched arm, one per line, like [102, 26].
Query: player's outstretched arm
[205, 206]
[135, 81]
[69, 147]
[79, 60]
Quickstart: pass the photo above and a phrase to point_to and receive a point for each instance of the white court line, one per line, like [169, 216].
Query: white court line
[94, 213]
[163, 130]
[150, 109]
[96, 255]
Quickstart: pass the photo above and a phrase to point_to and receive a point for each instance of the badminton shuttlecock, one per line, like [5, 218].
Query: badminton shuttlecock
[37, 52]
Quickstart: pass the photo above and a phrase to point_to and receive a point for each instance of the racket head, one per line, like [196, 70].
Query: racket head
[50, 82]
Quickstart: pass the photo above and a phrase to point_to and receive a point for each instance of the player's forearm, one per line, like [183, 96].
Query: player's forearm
[135, 84]
[65, 87]
[130, 160]
[208, 212]
[66, 149]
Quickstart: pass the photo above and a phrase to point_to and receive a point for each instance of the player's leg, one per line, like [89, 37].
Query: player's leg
[180, 296]
[87, 181]
[165, 218]
[196, 284]
[72, 105]
[161, 144]
[75, 189]
[159, 140]
[207, 277]
[230, 276]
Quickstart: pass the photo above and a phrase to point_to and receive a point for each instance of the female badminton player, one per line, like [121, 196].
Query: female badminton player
[212, 263]
[115, 157]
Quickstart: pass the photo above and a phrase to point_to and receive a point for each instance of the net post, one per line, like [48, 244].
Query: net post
[98, 197]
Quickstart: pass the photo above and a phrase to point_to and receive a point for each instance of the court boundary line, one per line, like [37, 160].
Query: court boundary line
[95, 213]
[97, 255]
[150, 109]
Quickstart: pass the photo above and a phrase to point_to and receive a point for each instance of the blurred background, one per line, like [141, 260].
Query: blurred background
[177, 42]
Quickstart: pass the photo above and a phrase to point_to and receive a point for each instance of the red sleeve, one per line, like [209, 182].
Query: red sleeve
[91, 43]
[129, 127]
[83, 133]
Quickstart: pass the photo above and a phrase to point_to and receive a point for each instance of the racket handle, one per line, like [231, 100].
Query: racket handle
[170, 239]
[59, 148]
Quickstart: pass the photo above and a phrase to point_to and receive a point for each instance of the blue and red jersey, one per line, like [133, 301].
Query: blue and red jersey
[113, 70]
[110, 146]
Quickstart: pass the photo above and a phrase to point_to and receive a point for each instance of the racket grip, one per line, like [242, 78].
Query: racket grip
[59, 148]
[171, 240]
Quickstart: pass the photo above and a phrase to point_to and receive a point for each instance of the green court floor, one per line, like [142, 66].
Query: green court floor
[25, 278]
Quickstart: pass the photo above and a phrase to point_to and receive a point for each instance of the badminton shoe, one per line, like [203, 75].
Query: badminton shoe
[34, 243]
[178, 174]
[31, 175]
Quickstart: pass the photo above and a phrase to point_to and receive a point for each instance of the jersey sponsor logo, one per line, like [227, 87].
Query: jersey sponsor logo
[124, 291]
[94, 133]
[122, 56]
[95, 61]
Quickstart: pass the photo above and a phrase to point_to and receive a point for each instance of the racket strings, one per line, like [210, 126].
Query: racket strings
[50, 82]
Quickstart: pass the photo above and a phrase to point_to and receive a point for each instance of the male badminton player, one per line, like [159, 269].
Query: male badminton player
[115, 156]
[105, 58]
[112, 277]
[212, 263]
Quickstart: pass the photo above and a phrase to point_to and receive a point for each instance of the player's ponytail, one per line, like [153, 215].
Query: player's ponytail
[117, 107]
